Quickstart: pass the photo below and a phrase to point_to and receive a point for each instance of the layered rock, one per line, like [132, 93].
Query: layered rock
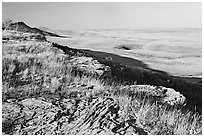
[162, 94]
[88, 116]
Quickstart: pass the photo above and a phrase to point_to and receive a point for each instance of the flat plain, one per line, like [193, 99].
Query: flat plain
[175, 51]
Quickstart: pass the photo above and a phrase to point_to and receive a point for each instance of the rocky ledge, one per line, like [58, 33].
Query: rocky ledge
[68, 116]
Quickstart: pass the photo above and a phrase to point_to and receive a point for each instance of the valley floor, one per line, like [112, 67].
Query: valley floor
[169, 50]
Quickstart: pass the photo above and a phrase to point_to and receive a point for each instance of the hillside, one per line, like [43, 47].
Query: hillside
[55, 90]
[130, 71]
[21, 26]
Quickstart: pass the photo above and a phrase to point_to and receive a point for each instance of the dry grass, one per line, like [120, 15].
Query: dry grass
[36, 68]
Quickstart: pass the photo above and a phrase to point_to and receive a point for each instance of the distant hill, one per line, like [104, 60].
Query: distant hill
[47, 29]
[21, 26]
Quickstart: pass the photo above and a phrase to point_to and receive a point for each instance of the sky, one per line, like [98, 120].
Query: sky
[64, 16]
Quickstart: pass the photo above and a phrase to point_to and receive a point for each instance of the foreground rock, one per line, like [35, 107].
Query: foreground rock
[82, 113]
[68, 116]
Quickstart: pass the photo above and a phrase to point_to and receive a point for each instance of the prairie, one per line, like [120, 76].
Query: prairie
[169, 50]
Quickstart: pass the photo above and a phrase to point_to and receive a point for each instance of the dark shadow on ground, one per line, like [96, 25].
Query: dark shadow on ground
[129, 71]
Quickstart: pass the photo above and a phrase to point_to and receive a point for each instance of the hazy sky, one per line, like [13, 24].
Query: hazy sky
[105, 15]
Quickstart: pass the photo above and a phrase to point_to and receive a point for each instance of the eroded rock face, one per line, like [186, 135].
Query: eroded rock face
[163, 94]
[93, 115]
[91, 66]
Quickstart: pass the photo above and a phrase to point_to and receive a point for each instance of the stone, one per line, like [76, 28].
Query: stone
[165, 95]
[91, 66]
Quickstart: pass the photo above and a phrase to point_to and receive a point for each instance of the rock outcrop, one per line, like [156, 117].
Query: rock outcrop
[90, 116]
[90, 66]
[162, 94]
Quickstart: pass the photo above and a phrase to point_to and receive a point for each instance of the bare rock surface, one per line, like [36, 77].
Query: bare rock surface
[93, 115]
[164, 95]
[91, 66]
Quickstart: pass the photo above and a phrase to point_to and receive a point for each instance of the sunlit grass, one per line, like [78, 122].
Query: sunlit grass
[36, 68]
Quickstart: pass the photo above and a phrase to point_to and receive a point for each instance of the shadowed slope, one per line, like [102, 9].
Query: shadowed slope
[128, 70]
